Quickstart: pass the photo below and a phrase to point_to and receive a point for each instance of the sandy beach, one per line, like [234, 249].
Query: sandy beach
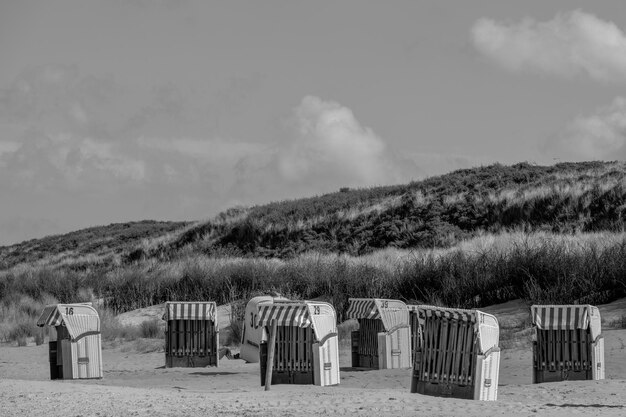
[138, 384]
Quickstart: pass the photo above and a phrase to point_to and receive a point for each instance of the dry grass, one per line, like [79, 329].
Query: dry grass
[488, 269]
[618, 323]
[18, 318]
[517, 338]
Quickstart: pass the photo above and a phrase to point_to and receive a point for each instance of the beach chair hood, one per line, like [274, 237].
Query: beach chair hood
[79, 319]
[567, 317]
[181, 310]
[393, 313]
[323, 319]
[318, 315]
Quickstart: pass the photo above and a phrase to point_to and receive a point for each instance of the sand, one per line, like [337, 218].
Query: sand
[138, 384]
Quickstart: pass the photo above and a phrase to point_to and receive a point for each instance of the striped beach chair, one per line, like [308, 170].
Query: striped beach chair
[191, 334]
[456, 353]
[569, 344]
[77, 351]
[306, 349]
[383, 338]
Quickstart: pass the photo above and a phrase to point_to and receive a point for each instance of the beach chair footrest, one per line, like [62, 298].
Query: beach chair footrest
[302, 378]
[366, 361]
[562, 375]
[190, 361]
[442, 389]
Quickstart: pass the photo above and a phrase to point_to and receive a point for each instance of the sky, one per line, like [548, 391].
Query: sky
[115, 111]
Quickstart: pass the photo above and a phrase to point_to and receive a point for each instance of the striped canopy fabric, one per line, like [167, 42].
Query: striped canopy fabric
[286, 314]
[567, 317]
[321, 316]
[50, 316]
[183, 310]
[447, 313]
[393, 313]
[362, 308]
[79, 319]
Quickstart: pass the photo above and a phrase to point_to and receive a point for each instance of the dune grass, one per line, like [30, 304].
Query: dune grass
[539, 267]
[466, 239]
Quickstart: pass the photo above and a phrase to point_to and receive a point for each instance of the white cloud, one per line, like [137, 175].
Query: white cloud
[210, 150]
[8, 147]
[74, 153]
[331, 145]
[599, 136]
[328, 149]
[66, 161]
[571, 44]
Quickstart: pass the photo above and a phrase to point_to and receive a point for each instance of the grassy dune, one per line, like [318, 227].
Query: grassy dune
[467, 239]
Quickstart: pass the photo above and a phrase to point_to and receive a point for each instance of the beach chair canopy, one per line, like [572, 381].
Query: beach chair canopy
[424, 311]
[393, 313]
[485, 325]
[316, 314]
[190, 310]
[79, 319]
[567, 317]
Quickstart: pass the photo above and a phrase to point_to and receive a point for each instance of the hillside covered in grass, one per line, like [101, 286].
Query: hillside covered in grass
[466, 239]
[92, 245]
[437, 212]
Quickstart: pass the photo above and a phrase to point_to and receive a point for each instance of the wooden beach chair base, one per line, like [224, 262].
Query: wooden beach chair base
[56, 369]
[447, 361]
[365, 361]
[282, 377]
[365, 344]
[567, 355]
[562, 375]
[568, 345]
[191, 344]
[190, 361]
[443, 389]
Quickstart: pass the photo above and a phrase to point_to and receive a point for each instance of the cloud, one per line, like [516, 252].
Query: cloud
[325, 148]
[66, 161]
[56, 96]
[78, 151]
[8, 147]
[599, 136]
[330, 144]
[571, 44]
[214, 150]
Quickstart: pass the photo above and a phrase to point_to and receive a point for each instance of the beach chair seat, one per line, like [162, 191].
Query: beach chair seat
[77, 351]
[191, 334]
[568, 343]
[383, 339]
[306, 350]
[456, 353]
